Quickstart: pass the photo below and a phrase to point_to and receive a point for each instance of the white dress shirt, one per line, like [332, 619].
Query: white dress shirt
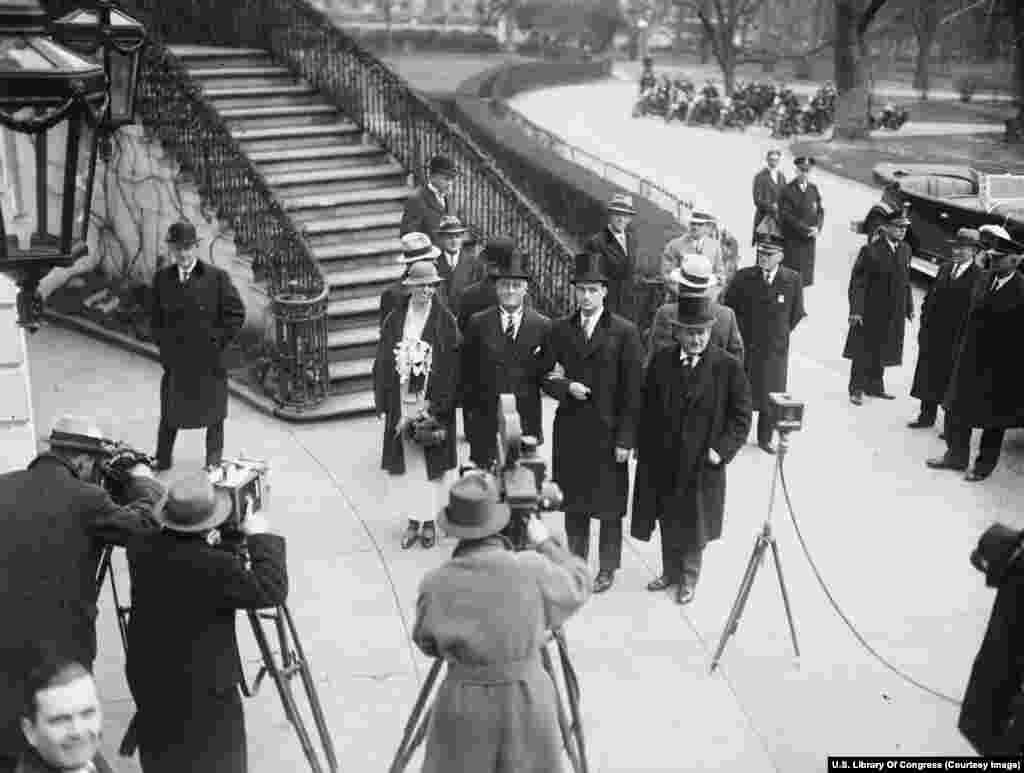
[184, 273]
[959, 268]
[1000, 281]
[769, 276]
[589, 323]
[440, 196]
[620, 237]
[688, 359]
[515, 318]
[452, 258]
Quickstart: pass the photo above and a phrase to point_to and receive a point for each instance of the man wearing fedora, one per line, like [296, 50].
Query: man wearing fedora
[184, 669]
[504, 351]
[801, 217]
[615, 244]
[986, 384]
[769, 303]
[196, 313]
[695, 276]
[943, 314]
[880, 306]
[694, 418]
[698, 240]
[432, 201]
[415, 247]
[55, 521]
[458, 268]
[483, 294]
[487, 612]
[596, 376]
[768, 184]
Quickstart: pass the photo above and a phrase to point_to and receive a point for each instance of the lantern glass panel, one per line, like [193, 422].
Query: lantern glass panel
[61, 181]
[122, 79]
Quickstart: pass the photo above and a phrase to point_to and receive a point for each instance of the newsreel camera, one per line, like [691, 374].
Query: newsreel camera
[113, 470]
[789, 413]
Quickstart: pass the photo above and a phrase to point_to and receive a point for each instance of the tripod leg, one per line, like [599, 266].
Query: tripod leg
[733, 621]
[785, 596]
[568, 739]
[413, 734]
[572, 690]
[311, 693]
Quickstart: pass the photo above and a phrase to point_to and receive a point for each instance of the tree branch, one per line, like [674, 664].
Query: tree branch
[868, 16]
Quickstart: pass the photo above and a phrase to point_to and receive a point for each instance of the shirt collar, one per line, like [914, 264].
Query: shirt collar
[683, 356]
[435, 191]
[771, 273]
[515, 316]
[1000, 281]
[592, 320]
[190, 269]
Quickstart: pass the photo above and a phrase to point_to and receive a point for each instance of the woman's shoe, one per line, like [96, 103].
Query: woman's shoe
[412, 534]
[429, 534]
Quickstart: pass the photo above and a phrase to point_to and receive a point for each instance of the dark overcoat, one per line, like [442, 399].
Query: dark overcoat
[475, 298]
[681, 418]
[183, 662]
[880, 293]
[987, 382]
[798, 211]
[192, 325]
[587, 432]
[454, 281]
[618, 266]
[442, 333]
[766, 197]
[491, 367]
[725, 333]
[423, 212]
[767, 314]
[943, 315]
[54, 529]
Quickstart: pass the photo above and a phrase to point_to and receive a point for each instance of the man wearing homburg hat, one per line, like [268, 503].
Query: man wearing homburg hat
[986, 385]
[880, 306]
[483, 294]
[458, 268]
[196, 313]
[504, 351]
[432, 201]
[596, 378]
[184, 668]
[801, 217]
[695, 417]
[943, 314]
[698, 240]
[615, 244]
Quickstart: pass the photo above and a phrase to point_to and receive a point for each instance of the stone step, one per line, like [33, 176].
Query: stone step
[280, 138]
[340, 184]
[354, 343]
[354, 223]
[353, 309]
[353, 375]
[216, 57]
[317, 159]
[350, 283]
[254, 92]
[371, 200]
[356, 209]
[386, 250]
[283, 97]
[272, 112]
[216, 81]
[272, 71]
[344, 174]
[343, 405]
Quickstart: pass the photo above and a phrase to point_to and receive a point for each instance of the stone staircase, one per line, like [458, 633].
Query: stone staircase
[346, 192]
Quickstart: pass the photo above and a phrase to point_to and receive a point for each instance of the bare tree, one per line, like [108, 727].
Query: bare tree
[925, 16]
[489, 12]
[853, 19]
[725, 24]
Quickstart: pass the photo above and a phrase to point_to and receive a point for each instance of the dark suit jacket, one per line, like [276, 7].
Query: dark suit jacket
[766, 195]
[477, 297]
[423, 213]
[467, 271]
[618, 266]
[800, 210]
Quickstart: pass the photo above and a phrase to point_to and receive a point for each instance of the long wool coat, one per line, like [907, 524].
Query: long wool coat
[192, 325]
[767, 314]
[588, 431]
[880, 292]
[798, 211]
[486, 612]
[678, 424]
[943, 315]
[766, 196]
[987, 383]
[618, 266]
[442, 333]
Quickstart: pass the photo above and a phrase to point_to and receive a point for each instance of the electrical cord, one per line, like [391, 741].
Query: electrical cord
[842, 615]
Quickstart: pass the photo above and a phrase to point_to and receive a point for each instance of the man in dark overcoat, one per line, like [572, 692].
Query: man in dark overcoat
[943, 314]
[615, 244]
[694, 419]
[880, 306]
[768, 184]
[432, 201]
[504, 351]
[55, 522]
[196, 313]
[597, 364]
[769, 303]
[183, 664]
[801, 217]
[480, 295]
[415, 247]
[986, 385]
[458, 267]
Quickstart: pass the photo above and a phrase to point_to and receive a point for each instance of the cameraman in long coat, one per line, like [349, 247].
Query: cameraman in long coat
[597, 358]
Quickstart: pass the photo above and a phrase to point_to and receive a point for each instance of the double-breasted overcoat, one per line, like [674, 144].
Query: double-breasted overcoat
[766, 196]
[800, 210]
[767, 314]
[618, 266]
[192, 324]
[879, 292]
[587, 432]
[683, 415]
[477, 297]
[467, 270]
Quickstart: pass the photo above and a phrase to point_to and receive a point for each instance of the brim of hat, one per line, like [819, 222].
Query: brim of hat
[434, 252]
[451, 231]
[622, 210]
[709, 322]
[189, 243]
[589, 278]
[421, 282]
[678, 279]
[221, 511]
[503, 275]
[498, 520]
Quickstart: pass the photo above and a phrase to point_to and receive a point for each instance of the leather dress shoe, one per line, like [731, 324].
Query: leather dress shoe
[685, 594]
[411, 535]
[857, 398]
[603, 581]
[920, 423]
[428, 537]
[768, 448]
[945, 463]
[661, 583]
[884, 395]
[976, 475]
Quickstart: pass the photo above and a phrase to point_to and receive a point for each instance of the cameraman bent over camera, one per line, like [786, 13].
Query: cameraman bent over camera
[183, 662]
[487, 612]
[55, 522]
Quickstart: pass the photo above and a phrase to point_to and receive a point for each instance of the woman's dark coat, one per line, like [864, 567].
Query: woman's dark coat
[677, 426]
[987, 384]
[442, 333]
[192, 326]
[767, 314]
[879, 292]
[587, 432]
[618, 267]
[798, 211]
[943, 317]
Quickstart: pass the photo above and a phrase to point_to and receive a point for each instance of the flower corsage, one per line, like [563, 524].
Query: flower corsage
[413, 360]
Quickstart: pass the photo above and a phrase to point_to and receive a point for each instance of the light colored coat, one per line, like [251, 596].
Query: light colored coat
[487, 612]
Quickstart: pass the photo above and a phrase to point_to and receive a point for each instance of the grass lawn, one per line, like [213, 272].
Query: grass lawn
[438, 72]
[944, 111]
[855, 160]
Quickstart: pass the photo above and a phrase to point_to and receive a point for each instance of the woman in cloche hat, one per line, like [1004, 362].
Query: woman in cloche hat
[415, 377]
[487, 612]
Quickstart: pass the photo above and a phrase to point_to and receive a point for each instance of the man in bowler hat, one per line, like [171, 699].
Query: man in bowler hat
[504, 351]
[596, 377]
[483, 294]
[694, 418]
[801, 217]
[615, 245]
[196, 313]
[432, 201]
[768, 299]
[458, 268]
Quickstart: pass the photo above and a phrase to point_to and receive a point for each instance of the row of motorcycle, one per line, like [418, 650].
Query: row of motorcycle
[751, 104]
